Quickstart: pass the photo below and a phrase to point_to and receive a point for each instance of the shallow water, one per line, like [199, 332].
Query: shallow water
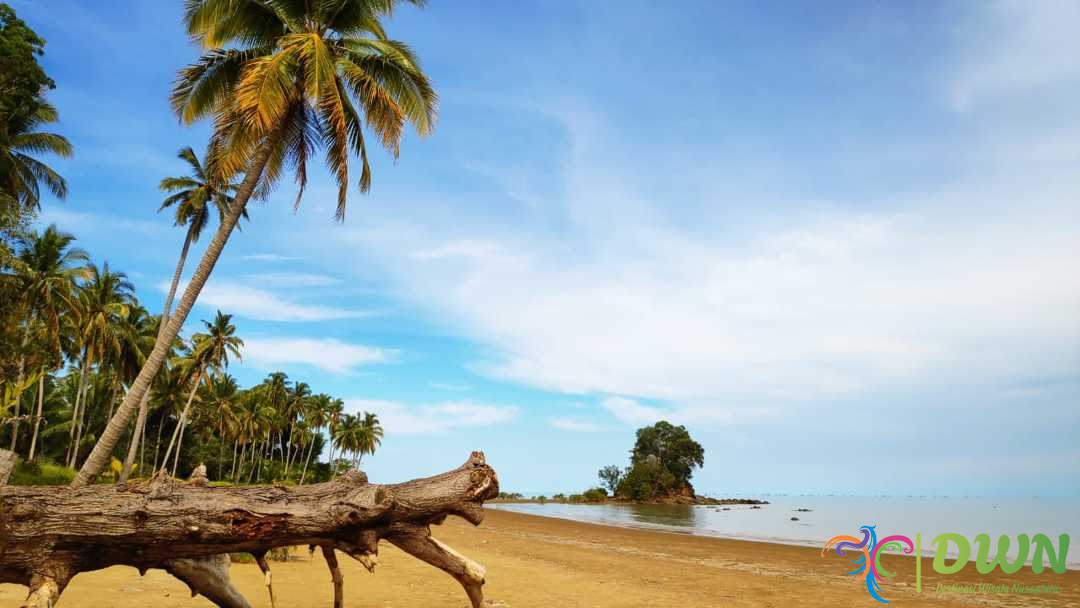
[833, 515]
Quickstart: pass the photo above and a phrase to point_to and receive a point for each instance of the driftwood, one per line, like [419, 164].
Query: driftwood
[50, 534]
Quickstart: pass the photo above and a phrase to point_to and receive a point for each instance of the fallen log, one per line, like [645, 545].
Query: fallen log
[50, 534]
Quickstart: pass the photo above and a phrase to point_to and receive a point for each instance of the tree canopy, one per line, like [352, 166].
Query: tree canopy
[661, 464]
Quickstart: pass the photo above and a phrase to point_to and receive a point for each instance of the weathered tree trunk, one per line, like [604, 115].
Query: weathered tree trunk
[50, 534]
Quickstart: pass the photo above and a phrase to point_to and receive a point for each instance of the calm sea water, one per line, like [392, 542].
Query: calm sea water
[833, 515]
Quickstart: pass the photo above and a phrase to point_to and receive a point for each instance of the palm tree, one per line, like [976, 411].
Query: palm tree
[222, 394]
[290, 83]
[369, 436]
[346, 434]
[103, 301]
[294, 408]
[192, 196]
[22, 175]
[209, 351]
[334, 413]
[317, 417]
[47, 268]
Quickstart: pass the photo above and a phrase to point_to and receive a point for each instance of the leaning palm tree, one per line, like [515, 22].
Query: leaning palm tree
[209, 351]
[369, 436]
[283, 79]
[47, 269]
[194, 197]
[22, 175]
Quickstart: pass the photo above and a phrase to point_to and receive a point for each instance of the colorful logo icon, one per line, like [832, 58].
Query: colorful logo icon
[869, 553]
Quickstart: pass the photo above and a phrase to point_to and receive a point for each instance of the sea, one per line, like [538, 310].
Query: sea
[813, 520]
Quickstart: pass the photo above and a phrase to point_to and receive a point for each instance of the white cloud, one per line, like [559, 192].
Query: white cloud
[1017, 46]
[267, 257]
[265, 305]
[448, 386]
[630, 411]
[291, 279]
[327, 354]
[401, 419]
[575, 425]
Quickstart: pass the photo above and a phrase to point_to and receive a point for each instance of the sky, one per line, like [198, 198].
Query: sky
[839, 242]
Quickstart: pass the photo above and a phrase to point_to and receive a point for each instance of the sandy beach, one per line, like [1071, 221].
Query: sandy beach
[537, 562]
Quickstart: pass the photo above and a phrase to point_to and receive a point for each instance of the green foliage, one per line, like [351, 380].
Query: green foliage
[22, 79]
[611, 475]
[510, 496]
[595, 495]
[662, 462]
[40, 474]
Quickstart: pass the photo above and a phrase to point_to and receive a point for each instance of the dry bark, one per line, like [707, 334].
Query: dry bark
[50, 534]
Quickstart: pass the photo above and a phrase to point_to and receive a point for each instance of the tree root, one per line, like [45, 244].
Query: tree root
[260, 558]
[418, 542]
[44, 592]
[335, 576]
[209, 577]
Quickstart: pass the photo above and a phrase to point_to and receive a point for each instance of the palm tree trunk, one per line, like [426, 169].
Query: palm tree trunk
[232, 469]
[79, 398]
[37, 418]
[138, 438]
[19, 381]
[157, 444]
[144, 402]
[99, 457]
[179, 442]
[307, 460]
[240, 467]
[179, 430]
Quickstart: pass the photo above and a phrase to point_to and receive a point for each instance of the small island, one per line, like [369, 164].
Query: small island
[661, 464]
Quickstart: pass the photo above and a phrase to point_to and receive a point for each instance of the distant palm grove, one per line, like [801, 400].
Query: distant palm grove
[93, 384]
[82, 336]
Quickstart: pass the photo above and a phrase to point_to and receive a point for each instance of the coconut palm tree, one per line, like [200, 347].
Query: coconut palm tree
[317, 417]
[295, 406]
[47, 268]
[102, 304]
[194, 198]
[22, 175]
[369, 436]
[283, 79]
[209, 351]
[346, 434]
[222, 395]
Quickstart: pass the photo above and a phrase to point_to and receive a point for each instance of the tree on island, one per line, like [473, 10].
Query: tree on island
[661, 464]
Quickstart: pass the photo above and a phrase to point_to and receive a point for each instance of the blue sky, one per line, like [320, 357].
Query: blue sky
[838, 242]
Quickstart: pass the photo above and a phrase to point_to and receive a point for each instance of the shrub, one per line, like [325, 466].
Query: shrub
[43, 473]
[595, 495]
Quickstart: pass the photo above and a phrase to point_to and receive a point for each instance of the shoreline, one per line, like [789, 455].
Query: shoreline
[538, 562]
[927, 550]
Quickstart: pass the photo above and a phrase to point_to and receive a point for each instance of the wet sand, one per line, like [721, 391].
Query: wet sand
[538, 562]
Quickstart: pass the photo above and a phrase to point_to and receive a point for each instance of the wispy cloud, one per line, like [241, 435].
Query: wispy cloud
[403, 419]
[291, 279]
[265, 305]
[447, 386]
[267, 257]
[328, 354]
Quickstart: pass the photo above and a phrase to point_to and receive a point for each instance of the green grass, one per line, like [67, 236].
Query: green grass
[40, 474]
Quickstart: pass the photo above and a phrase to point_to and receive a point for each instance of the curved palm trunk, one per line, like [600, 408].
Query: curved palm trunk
[99, 457]
[37, 418]
[178, 432]
[143, 403]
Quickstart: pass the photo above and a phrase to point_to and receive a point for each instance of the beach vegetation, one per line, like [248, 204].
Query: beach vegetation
[661, 464]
